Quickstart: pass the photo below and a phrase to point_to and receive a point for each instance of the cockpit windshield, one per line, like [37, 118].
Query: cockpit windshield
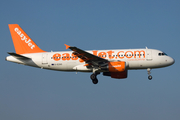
[162, 54]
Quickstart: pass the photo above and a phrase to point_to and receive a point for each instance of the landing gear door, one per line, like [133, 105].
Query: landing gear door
[148, 54]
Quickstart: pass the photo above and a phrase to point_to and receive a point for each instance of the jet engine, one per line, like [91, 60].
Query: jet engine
[116, 70]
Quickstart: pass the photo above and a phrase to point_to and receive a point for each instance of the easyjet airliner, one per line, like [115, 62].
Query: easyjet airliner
[113, 63]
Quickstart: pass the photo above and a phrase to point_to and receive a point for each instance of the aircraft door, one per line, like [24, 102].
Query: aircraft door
[44, 58]
[148, 55]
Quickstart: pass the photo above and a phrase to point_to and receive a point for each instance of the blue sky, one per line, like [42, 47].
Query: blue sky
[33, 94]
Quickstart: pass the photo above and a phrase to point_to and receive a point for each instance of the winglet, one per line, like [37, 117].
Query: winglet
[67, 46]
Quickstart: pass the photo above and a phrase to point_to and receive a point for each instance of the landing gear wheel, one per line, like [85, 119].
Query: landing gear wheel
[93, 76]
[149, 77]
[94, 79]
[149, 73]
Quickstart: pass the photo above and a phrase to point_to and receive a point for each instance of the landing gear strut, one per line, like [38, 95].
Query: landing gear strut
[149, 73]
[94, 78]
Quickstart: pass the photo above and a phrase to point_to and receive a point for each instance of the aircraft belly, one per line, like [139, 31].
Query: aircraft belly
[133, 64]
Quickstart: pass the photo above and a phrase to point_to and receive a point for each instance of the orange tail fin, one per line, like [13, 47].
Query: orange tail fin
[22, 42]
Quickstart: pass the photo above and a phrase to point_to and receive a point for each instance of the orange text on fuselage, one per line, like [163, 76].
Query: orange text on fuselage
[106, 55]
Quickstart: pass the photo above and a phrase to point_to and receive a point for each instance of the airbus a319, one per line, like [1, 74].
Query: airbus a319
[114, 63]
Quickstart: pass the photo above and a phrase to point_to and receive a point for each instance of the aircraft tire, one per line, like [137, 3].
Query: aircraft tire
[95, 81]
[93, 77]
[150, 77]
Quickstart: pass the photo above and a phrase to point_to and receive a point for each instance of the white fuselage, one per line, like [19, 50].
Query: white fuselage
[65, 61]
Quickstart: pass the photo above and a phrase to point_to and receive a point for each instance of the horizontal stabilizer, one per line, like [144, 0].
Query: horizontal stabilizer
[19, 56]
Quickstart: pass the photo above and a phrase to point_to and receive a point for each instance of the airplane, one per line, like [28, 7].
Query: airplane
[114, 63]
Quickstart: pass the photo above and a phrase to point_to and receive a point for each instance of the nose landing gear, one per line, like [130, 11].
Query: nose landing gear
[149, 73]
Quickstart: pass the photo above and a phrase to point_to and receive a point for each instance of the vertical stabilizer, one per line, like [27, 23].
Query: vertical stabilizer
[23, 44]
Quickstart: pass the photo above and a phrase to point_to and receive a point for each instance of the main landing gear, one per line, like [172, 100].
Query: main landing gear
[94, 78]
[149, 73]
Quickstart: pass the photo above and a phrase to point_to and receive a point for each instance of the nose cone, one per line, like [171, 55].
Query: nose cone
[171, 61]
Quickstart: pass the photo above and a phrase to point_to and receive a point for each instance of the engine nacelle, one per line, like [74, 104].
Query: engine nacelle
[118, 66]
[116, 70]
[117, 75]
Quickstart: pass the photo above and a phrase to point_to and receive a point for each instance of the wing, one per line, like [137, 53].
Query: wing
[89, 58]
